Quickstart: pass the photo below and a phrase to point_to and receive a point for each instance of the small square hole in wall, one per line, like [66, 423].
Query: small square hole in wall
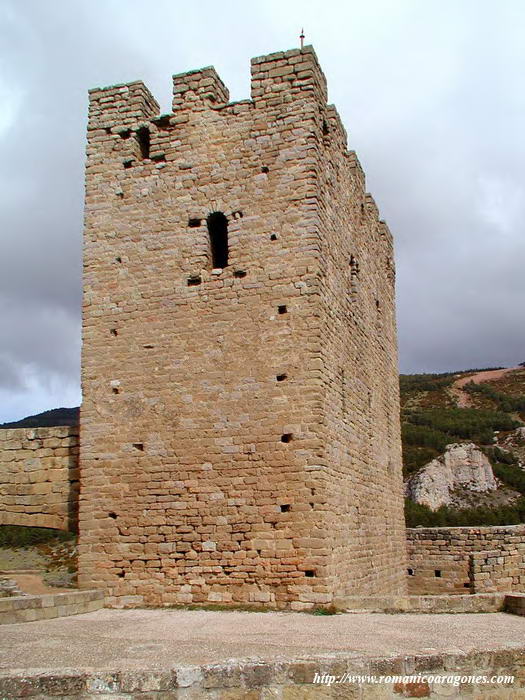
[125, 134]
[287, 437]
[437, 573]
[466, 585]
[285, 508]
[309, 573]
[194, 280]
[265, 169]
[128, 163]
[115, 390]
[273, 237]
[112, 515]
[282, 309]
[118, 259]
[139, 446]
[194, 223]
[239, 273]
[410, 572]
[121, 574]
[113, 331]
[281, 377]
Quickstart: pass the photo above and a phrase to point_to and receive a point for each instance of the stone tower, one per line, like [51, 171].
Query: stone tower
[239, 430]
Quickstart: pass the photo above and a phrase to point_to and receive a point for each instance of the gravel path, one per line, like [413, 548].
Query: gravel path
[156, 639]
[462, 397]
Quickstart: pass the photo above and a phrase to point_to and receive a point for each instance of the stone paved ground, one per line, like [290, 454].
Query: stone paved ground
[157, 639]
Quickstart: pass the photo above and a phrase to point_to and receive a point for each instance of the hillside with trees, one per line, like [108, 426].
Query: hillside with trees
[466, 407]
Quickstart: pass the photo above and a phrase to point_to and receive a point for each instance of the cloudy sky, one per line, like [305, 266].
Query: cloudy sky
[431, 93]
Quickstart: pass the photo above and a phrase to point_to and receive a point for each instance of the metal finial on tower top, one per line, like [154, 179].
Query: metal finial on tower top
[301, 37]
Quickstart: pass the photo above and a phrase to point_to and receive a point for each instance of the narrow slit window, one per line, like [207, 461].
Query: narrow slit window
[354, 277]
[144, 142]
[218, 232]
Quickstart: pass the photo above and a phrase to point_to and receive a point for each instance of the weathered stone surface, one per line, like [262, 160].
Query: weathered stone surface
[492, 674]
[43, 607]
[462, 560]
[39, 477]
[463, 467]
[244, 410]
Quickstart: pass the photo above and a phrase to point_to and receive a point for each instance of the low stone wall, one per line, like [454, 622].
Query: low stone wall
[29, 608]
[459, 560]
[427, 604]
[39, 477]
[490, 674]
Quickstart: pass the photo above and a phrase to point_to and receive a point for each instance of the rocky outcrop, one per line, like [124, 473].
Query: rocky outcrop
[462, 470]
[514, 443]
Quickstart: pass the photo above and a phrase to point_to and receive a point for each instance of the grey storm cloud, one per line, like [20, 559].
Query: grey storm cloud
[431, 94]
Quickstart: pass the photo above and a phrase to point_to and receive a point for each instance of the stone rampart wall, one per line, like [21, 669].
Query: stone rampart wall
[459, 560]
[39, 477]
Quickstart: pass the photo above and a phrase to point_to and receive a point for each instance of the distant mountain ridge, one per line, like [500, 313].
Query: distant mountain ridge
[56, 416]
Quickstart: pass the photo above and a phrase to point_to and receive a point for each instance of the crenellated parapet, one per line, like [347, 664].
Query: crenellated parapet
[276, 78]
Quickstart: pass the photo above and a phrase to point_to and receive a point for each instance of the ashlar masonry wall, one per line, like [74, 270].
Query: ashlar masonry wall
[39, 477]
[466, 559]
[240, 420]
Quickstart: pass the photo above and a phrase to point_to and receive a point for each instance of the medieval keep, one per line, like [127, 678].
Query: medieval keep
[240, 437]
